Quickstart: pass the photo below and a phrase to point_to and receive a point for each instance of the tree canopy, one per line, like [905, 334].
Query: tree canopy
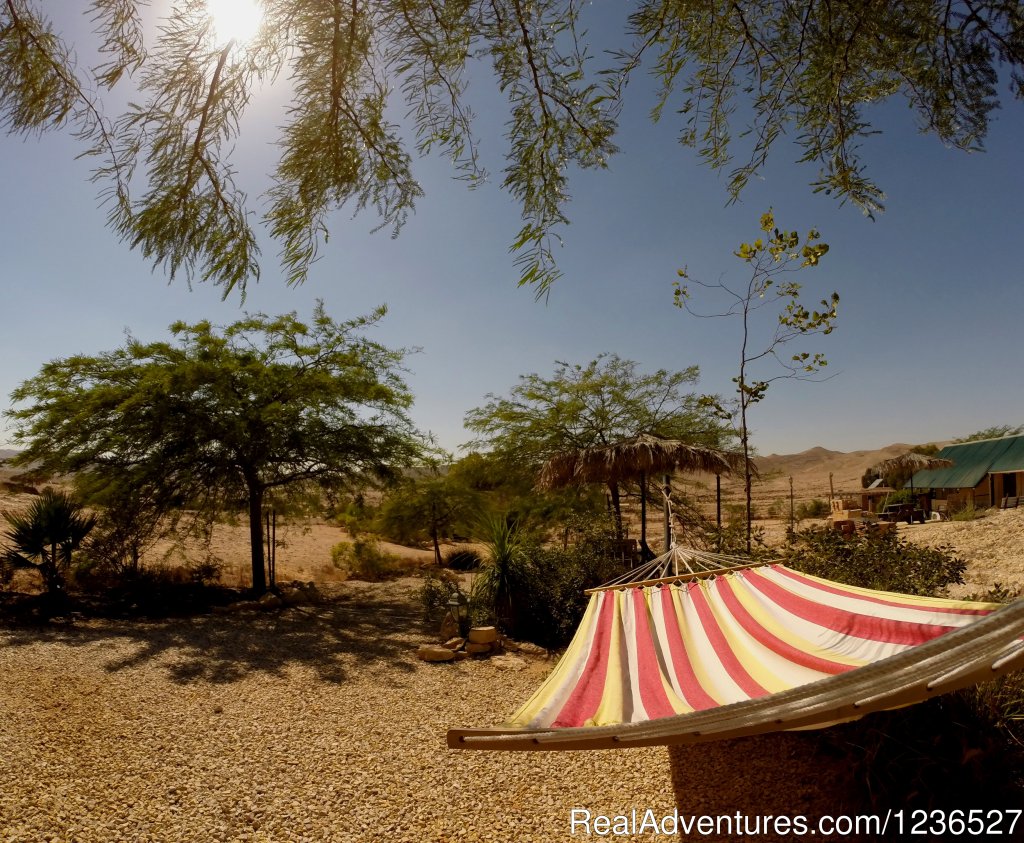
[222, 417]
[805, 68]
[579, 406]
[604, 402]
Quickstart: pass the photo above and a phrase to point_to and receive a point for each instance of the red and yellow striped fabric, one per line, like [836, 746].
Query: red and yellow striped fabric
[645, 653]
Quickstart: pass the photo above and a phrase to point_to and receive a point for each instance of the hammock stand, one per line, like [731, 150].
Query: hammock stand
[698, 601]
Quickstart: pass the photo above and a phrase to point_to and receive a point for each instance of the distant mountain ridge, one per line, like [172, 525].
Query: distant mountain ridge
[810, 471]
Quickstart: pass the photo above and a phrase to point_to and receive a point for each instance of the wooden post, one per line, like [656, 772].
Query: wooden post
[718, 508]
[668, 512]
[831, 489]
[643, 513]
[792, 511]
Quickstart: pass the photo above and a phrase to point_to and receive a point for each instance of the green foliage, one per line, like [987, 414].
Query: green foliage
[463, 559]
[807, 71]
[438, 588]
[354, 514]
[967, 512]
[364, 560]
[901, 496]
[263, 407]
[876, 560]
[995, 432]
[46, 536]
[606, 401]
[769, 261]
[816, 508]
[548, 591]
[432, 507]
[504, 560]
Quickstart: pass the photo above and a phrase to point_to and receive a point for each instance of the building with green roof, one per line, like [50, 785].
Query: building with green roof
[988, 472]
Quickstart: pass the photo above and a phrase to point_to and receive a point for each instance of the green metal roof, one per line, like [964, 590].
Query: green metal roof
[971, 462]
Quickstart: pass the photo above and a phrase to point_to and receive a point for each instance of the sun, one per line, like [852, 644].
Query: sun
[235, 20]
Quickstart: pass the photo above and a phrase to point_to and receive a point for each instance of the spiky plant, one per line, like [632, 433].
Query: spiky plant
[46, 536]
[503, 560]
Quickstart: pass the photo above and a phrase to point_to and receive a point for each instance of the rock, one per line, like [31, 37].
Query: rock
[483, 634]
[507, 662]
[461, 655]
[242, 606]
[449, 627]
[294, 596]
[434, 653]
[476, 649]
[270, 601]
[454, 643]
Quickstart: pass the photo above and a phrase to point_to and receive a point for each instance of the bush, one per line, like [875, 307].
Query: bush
[967, 512]
[438, 588]
[463, 559]
[876, 560]
[364, 560]
[816, 508]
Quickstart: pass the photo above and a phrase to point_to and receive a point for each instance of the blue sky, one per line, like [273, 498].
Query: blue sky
[928, 344]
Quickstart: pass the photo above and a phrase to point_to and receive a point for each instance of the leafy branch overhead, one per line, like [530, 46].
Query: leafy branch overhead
[166, 169]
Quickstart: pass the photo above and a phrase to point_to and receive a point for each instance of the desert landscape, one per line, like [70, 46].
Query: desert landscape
[318, 722]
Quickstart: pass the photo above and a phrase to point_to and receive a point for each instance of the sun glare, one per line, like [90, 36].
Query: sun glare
[235, 20]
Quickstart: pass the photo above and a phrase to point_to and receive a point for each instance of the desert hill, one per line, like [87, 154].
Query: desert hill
[809, 469]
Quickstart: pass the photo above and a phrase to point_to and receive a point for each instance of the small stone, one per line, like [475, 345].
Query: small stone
[483, 634]
[528, 649]
[454, 643]
[270, 601]
[507, 662]
[434, 653]
[461, 655]
[477, 649]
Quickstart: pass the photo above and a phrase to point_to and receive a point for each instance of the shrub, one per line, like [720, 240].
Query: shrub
[968, 512]
[876, 560]
[364, 560]
[548, 590]
[438, 588]
[816, 508]
[504, 559]
[463, 559]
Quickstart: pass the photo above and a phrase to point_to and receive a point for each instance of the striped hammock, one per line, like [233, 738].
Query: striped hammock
[687, 658]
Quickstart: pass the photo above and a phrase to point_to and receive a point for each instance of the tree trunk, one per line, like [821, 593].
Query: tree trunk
[616, 509]
[437, 546]
[259, 577]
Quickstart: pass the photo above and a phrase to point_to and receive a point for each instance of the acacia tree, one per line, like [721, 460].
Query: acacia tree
[223, 415]
[770, 260]
[606, 401]
[431, 505]
[804, 68]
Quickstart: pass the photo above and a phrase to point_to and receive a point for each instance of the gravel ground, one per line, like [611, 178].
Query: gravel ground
[311, 725]
[993, 548]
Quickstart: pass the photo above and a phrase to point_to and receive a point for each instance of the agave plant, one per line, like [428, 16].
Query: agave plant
[504, 560]
[46, 536]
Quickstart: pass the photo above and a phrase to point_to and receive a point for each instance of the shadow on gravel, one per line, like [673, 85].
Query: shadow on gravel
[350, 632]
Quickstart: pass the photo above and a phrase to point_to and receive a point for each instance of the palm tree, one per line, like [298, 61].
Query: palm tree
[46, 536]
